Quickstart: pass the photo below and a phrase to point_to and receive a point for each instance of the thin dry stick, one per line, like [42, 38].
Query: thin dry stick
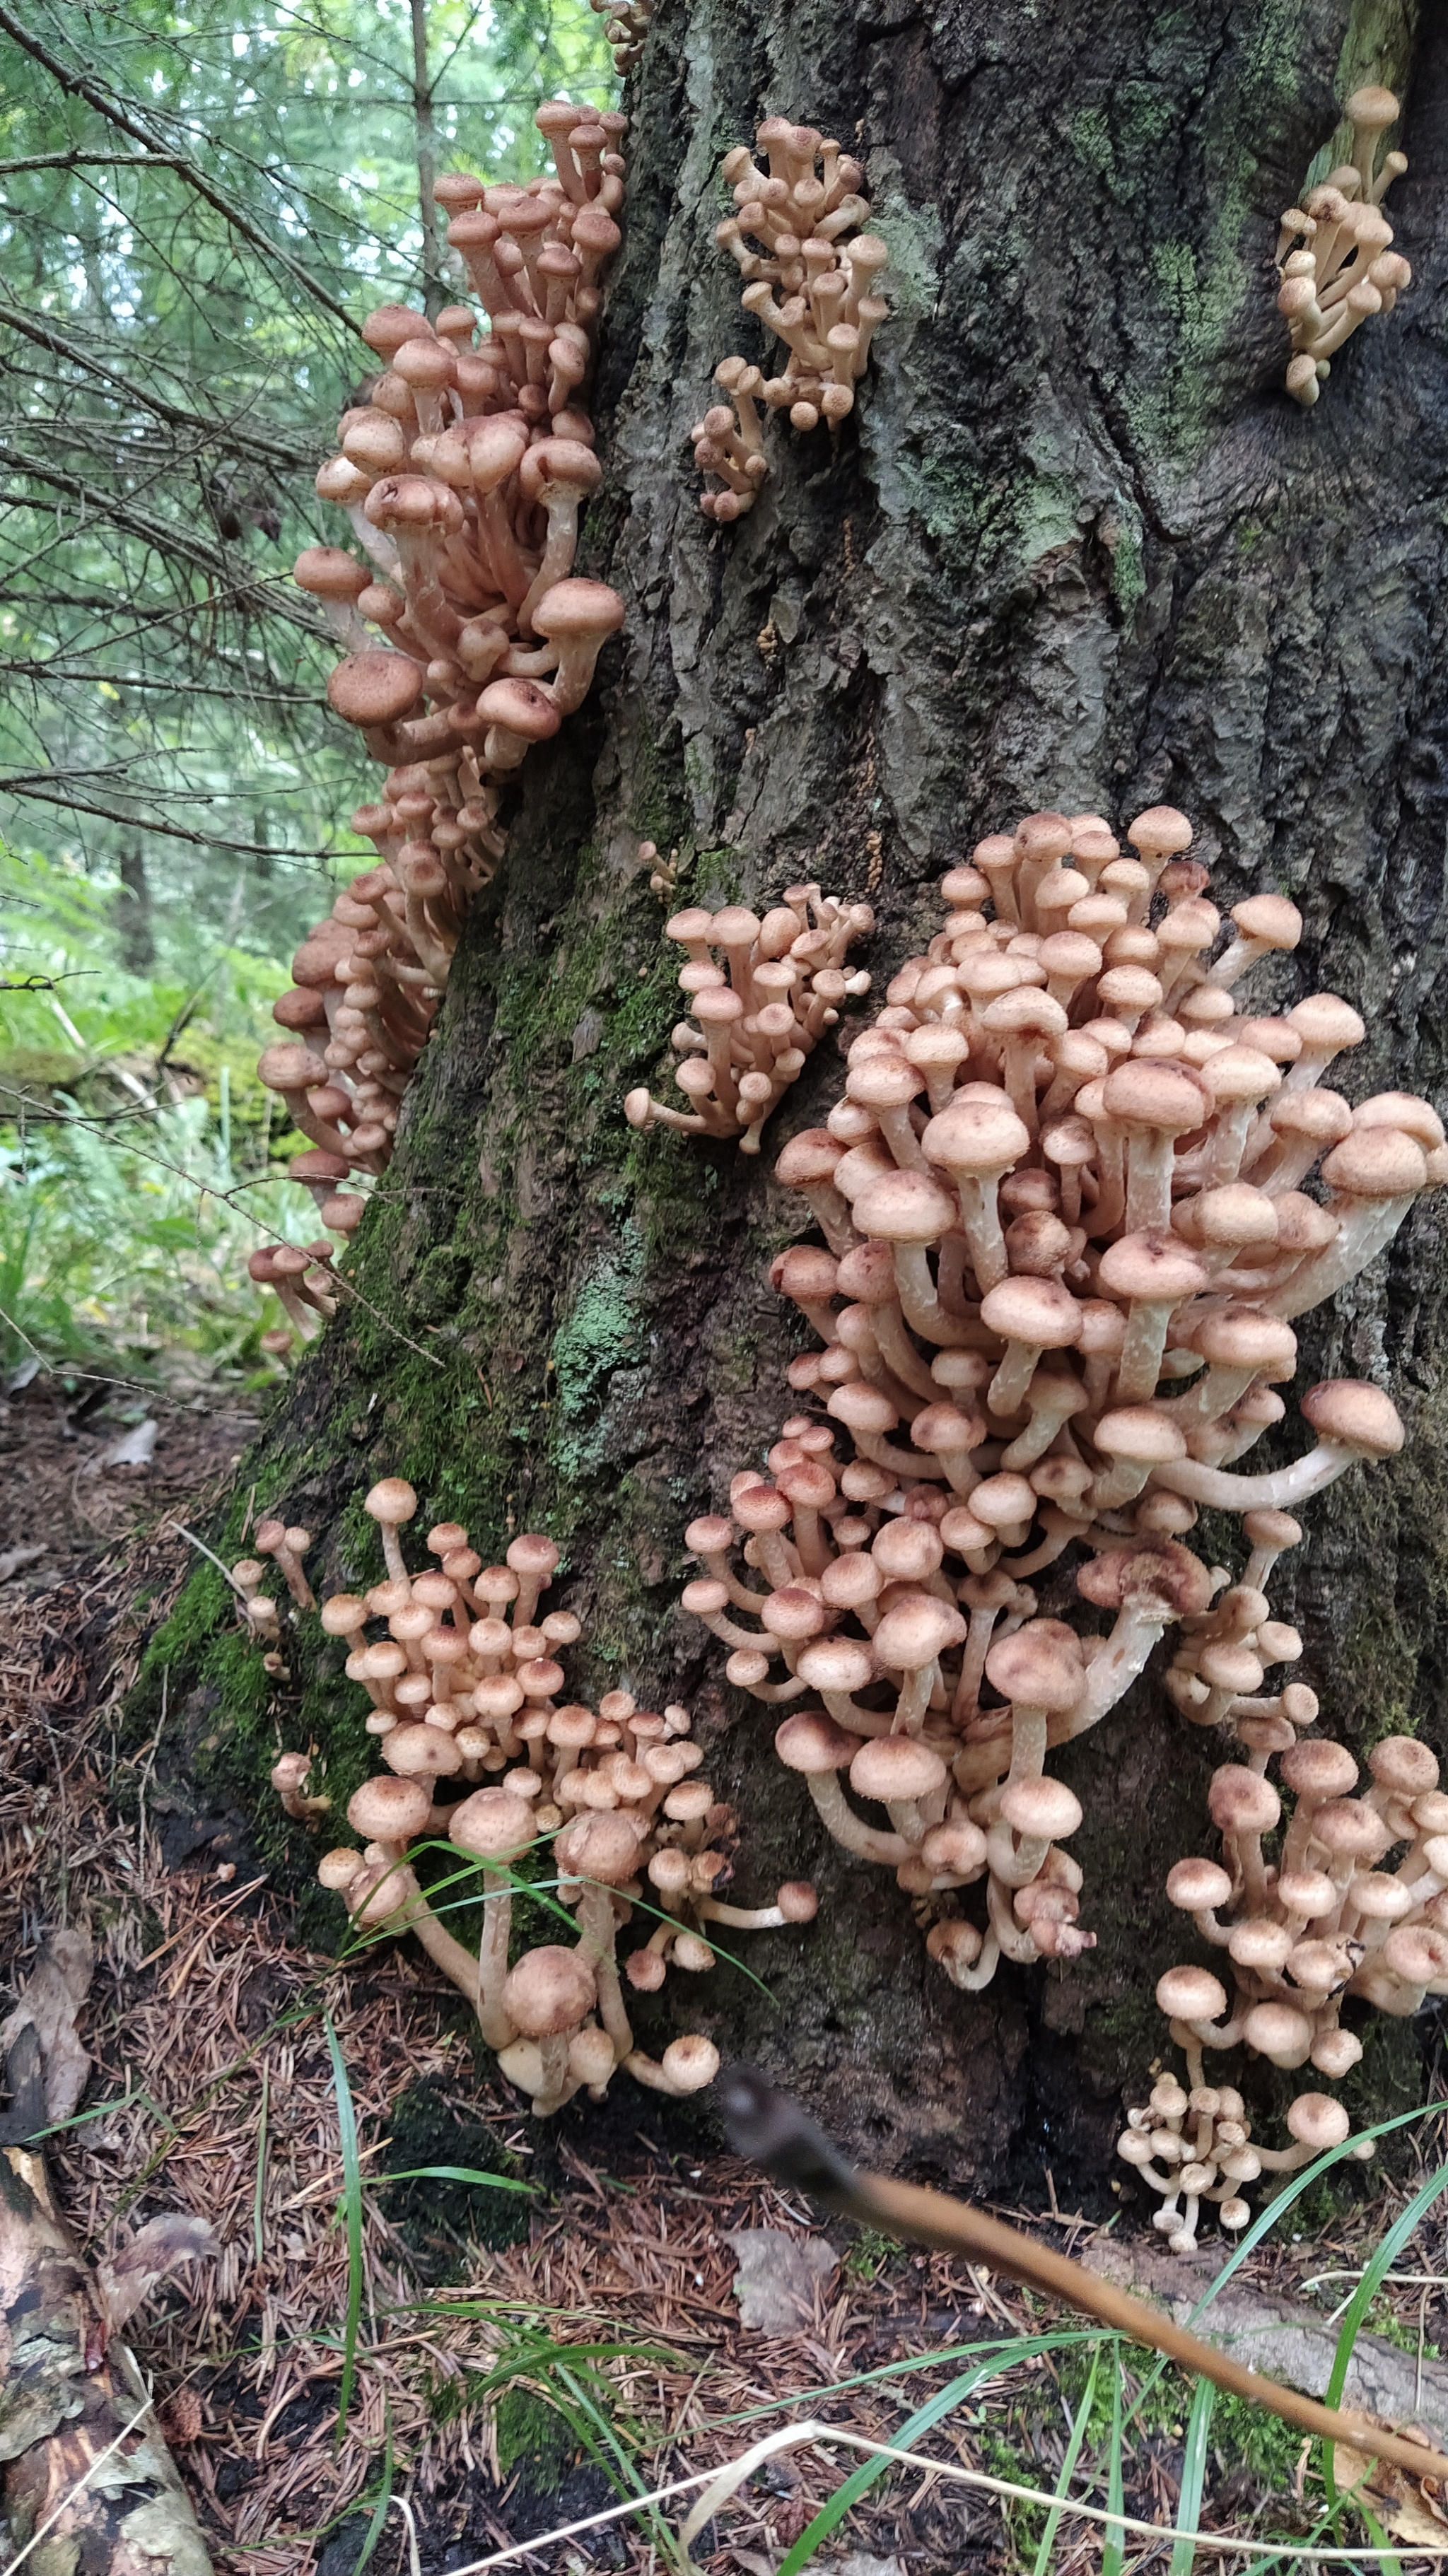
[772, 2131]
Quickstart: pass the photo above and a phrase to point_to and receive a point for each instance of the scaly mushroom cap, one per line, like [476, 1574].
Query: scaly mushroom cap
[1198, 1885]
[1153, 1268]
[917, 1630]
[389, 326]
[977, 1136]
[1405, 1111]
[1041, 1810]
[835, 1664]
[809, 1158]
[904, 1207]
[391, 1502]
[894, 1767]
[378, 1891]
[1165, 1576]
[1241, 1801]
[533, 1555]
[807, 1271]
[374, 688]
[693, 2061]
[493, 1824]
[1403, 1766]
[601, 1846]
[1040, 1666]
[1039, 1312]
[328, 573]
[1240, 1337]
[1319, 1771]
[1316, 2121]
[1191, 1994]
[389, 1810]
[792, 1613]
[1277, 2031]
[1161, 832]
[1417, 1953]
[421, 1752]
[955, 1845]
[1152, 1091]
[1376, 1163]
[1348, 1829]
[519, 707]
[549, 1991]
[1358, 1416]
[812, 1743]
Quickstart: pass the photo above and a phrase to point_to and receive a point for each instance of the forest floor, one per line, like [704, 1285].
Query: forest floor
[502, 2388]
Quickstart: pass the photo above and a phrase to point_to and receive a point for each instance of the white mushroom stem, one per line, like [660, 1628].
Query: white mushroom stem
[1280, 1490]
[848, 1829]
[1367, 1224]
[1115, 1665]
[598, 1929]
[493, 2022]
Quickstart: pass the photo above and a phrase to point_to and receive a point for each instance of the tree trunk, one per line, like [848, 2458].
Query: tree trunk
[1074, 549]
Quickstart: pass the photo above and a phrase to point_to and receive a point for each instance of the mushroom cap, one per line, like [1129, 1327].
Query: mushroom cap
[1349, 1829]
[1269, 917]
[1191, 1994]
[1163, 1576]
[976, 1136]
[1241, 1801]
[837, 1664]
[578, 607]
[603, 1846]
[1277, 2031]
[563, 464]
[1243, 1337]
[809, 1157]
[374, 688]
[493, 1824]
[915, 1632]
[1405, 1111]
[1373, 108]
[884, 1082]
[379, 1890]
[1238, 1073]
[1316, 2121]
[690, 2062]
[1266, 1528]
[1350, 1412]
[1154, 1091]
[1161, 832]
[1404, 1766]
[1323, 1116]
[1325, 1023]
[519, 707]
[956, 1844]
[1152, 1267]
[1040, 1313]
[1321, 1770]
[549, 1991]
[807, 1271]
[909, 1551]
[890, 1767]
[329, 573]
[1416, 1953]
[1041, 1810]
[1376, 1163]
[793, 1613]
[392, 1501]
[421, 1752]
[812, 1743]
[1198, 1885]
[1145, 1434]
[1039, 1665]
[904, 1207]
[389, 1809]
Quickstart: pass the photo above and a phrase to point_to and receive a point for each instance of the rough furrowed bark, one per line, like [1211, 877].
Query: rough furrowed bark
[1074, 549]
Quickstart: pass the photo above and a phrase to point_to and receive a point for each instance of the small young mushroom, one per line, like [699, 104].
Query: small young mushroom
[547, 1997]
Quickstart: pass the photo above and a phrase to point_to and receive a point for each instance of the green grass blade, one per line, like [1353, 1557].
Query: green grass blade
[1372, 2279]
[1068, 2466]
[1194, 2470]
[456, 2173]
[924, 2420]
[352, 2203]
[383, 2505]
[1113, 2538]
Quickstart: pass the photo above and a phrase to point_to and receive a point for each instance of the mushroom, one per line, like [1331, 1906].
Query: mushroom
[289, 1777]
[546, 1998]
[1353, 1420]
[601, 1852]
[493, 1826]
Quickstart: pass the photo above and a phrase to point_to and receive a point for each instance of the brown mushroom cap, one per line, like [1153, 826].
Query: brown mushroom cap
[1198, 1885]
[1152, 1091]
[1349, 1829]
[1270, 917]
[493, 1824]
[808, 1158]
[1376, 1163]
[1358, 1416]
[549, 1991]
[1144, 1434]
[520, 707]
[812, 1743]
[1405, 1111]
[1404, 1766]
[836, 1664]
[1321, 1770]
[917, 1630]
[1043, 1810]
[389, 1809]
[1277, 2031]
[904, 1207]
[1241, 1801]
[1152, 1267]
[976, 1136]
[603, 1846]
[421, 1752]
[577, 607]
[391, 1501]
[1162, 1575]
[1040, 1666]
[896, 1767]
[1191, 1994]
[374, 688]
[1038, 1312]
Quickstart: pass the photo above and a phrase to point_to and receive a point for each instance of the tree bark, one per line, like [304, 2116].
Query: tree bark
[1075, 549]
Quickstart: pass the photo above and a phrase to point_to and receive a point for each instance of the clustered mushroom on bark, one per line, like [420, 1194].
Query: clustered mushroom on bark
[796, 229]
[1195, 2147]
[459, 1663]
[467, 638]
[629, 22]
[1334, 250]
[261, 1621]
[760, 1015]
[1067, 1228]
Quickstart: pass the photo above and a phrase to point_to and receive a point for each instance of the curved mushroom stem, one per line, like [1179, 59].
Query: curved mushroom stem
[493, 2022]
[598, 1930]
[848, 1829]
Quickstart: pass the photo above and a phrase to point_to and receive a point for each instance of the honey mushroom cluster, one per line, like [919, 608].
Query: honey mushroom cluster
[1063, 1199]
[467, 637]
[465, 1695]
[261, 1618]
[1196, 2147]
[796, 230]
[761, 1014]
[1334, 250]
[1324, 1921]
[629, 22]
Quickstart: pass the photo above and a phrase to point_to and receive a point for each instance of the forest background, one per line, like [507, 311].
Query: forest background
[198, 207]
